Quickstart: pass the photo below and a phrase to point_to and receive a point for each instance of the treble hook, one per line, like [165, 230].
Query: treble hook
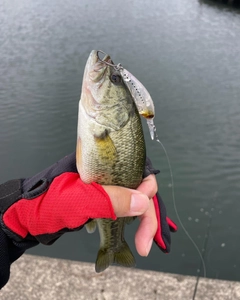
[116, 67]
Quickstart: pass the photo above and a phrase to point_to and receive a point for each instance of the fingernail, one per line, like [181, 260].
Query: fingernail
[149, 246]
[139, 204]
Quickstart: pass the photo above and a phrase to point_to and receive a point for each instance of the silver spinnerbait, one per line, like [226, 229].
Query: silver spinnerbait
[139, 93]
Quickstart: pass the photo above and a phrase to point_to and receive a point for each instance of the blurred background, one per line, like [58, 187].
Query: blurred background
[186, 53]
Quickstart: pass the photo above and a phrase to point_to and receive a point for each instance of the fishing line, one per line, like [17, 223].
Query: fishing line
[206, 238]
[175, 206]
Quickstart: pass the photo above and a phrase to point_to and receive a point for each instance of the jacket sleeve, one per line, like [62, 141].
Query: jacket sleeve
[9, 252]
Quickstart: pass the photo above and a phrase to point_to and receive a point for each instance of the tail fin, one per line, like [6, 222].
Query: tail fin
[106, 257]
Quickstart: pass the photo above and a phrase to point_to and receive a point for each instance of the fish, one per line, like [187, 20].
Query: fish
[110, 149]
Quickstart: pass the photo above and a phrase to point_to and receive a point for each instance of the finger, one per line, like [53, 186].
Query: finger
[127, 202]
[149, 186]
[146, 230]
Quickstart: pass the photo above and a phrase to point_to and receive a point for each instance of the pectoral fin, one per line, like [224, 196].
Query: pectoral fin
[105, 146]
[91, 226]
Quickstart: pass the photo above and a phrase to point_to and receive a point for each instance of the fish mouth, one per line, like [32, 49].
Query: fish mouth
[97, 67]
[95, 57]
[95, 76]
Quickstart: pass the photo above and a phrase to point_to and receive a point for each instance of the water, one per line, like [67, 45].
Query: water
[187, 55]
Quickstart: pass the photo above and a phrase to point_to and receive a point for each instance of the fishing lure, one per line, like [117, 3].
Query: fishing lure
[141, 96]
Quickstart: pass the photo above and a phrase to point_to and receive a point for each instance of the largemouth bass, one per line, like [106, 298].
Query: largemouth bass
[110, 149]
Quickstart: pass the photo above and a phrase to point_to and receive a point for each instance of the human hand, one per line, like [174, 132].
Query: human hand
[127, 202]
[144, 203]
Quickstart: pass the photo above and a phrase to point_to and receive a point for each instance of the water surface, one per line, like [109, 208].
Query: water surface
[187, 55]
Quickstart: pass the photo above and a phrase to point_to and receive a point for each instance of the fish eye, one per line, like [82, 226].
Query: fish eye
[116, 78]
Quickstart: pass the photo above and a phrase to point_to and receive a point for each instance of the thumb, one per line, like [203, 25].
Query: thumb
[127, 202]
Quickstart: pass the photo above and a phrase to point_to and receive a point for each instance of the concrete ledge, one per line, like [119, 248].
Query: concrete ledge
[34, 277]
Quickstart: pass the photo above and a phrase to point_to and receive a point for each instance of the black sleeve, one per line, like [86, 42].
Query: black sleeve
[4, 259]
[9, 252]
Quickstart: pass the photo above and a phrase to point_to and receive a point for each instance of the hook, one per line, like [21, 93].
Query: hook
[116, 67]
